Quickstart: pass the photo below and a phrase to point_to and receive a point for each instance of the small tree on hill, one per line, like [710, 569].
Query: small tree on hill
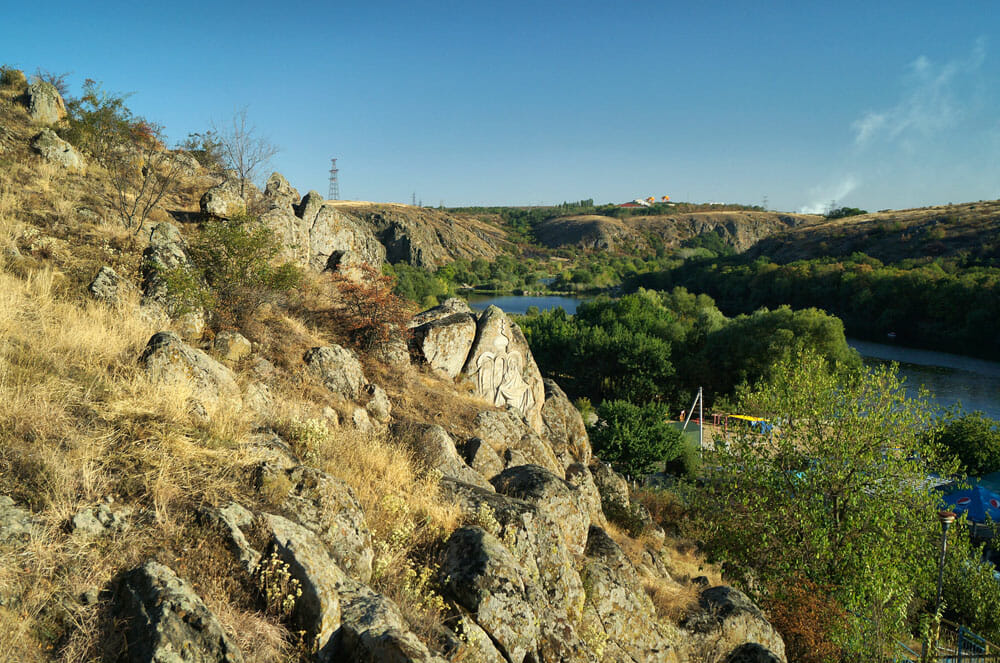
[637, 439]
[234, 270]
[364, 307]
[837, 495]
[140, 170]
[243, 149]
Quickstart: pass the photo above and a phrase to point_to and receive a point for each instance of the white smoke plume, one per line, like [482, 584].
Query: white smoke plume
[823, 197]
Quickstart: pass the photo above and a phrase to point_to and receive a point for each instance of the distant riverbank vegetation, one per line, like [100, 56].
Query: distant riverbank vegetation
[948, 304]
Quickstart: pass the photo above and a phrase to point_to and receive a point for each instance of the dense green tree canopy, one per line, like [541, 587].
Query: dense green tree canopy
[836, 494]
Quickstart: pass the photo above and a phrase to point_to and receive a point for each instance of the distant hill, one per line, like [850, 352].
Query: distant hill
[737, 229]
[971, 229]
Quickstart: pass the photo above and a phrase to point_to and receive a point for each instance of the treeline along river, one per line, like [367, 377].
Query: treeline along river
[950, 378]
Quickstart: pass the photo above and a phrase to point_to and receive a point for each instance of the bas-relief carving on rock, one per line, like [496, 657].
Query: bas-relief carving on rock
[499, 375]
[501, 368]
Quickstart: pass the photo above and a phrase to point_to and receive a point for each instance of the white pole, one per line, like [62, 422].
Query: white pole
[701, 421]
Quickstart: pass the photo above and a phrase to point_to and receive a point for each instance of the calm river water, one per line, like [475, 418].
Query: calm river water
[950, 378]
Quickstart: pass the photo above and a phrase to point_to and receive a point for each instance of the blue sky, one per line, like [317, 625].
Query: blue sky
[874, 105]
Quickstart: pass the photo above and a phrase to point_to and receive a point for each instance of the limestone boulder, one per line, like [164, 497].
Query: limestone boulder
[378, 406]
[338, 369]
[165, 620]
[15, 523]
[728, 620]
[55, 150]
[482, 458]
[532, 537]
[45, 104]
[373, 630]
[444, 343]
[317, 611]
[579, 475]
[561, 501]
[108, 287]
[483, 577]
[502, 370]
[564, 427]
[279, 193]
[327, 507]
[166, 251]
[616, 604]
[228, 197]
[168, 360]
[97, 521]
[434, 446]
[448, 307]
[232, 345]
[508, 431]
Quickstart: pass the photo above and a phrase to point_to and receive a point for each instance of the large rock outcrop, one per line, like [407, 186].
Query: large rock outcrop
[166, 621]
[168, 360]
[317, 610]
[564, 427]
[502, 369]
[558, 499]
[617, 606]
[56, 150]
[45, 104]
[728, 621]
[338, 369]
[445, 343]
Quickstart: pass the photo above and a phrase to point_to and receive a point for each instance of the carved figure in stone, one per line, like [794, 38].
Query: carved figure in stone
[499, 376]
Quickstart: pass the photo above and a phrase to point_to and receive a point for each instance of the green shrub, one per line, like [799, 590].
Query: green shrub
[9, 76]
[973, 437]
[688, 460]
[234, 270]
[635, 438]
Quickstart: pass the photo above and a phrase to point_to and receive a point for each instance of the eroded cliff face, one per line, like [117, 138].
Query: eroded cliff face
[739, 229]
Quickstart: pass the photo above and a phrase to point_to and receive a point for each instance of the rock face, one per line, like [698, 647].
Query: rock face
[166, 250]
[509, 435]
[55, 149]
[311, 230]
[424, 237]
[485, 579]
[502, 369]
[338, 369]
[327, 507]
[108, 287]
[559, 500]
[317, 610]
[436, 449]
[616, 604]
[224, 200]
[445, 343]
[373, 630]
[564, 427]
[45, 104]
[167, 621]
[167, 359]
[729, 620]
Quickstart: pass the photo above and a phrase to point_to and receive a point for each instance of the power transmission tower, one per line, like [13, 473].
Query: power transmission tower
[334, 193]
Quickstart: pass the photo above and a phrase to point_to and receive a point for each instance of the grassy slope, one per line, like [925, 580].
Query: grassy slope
[948, 230]
[81, 425]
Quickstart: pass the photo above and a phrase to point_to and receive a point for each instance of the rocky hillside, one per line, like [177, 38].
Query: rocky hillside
[947, 230]
[739, 229]
[174, 486]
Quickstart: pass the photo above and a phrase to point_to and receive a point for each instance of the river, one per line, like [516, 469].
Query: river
[949, 378]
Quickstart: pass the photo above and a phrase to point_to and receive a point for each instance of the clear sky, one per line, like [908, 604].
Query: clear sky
[872, 104]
